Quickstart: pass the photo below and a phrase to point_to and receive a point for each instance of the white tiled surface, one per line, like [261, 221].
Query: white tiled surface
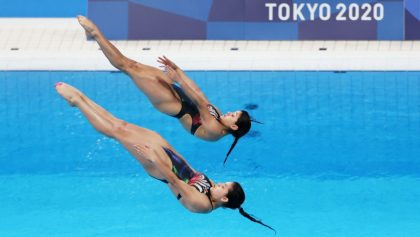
[60, 44]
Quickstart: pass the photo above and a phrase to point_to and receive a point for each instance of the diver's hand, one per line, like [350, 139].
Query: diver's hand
[172, 74]
[166, 62]
[143, 150]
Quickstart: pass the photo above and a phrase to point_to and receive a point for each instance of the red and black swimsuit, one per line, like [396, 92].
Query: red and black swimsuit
[188, 107]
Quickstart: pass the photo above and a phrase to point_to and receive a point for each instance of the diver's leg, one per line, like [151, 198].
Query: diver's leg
[103, 124]
[150, 80]
[129, 135]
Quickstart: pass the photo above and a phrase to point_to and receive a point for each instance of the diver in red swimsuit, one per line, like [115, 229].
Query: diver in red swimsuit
[186, 102]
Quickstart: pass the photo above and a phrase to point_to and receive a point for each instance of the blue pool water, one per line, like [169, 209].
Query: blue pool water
[337, 155]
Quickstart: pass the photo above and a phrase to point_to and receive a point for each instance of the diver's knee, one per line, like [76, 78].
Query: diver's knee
[128, 65]
[119, 129]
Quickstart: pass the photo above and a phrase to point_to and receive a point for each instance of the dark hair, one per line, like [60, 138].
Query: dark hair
[236, 196]
[244, 125]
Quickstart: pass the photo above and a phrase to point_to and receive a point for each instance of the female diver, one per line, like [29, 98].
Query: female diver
[194, 190]
[185, 102]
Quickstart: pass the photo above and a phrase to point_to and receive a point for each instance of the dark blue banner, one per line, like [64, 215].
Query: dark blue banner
[258, 19]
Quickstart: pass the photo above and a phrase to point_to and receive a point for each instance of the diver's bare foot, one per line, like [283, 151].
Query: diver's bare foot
[71, 94]
[90, 28]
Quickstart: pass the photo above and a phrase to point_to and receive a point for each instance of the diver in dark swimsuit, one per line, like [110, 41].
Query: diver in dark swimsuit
[157, 86]
[196, 191]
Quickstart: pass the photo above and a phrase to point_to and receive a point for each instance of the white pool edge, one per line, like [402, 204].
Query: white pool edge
[60, 44]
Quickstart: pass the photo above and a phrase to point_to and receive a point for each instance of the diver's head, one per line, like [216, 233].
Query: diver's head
[235, 196]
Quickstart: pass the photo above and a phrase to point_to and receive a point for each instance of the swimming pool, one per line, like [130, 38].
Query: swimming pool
[337, 155]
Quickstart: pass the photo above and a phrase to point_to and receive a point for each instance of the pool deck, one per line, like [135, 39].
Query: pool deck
[60, 44]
